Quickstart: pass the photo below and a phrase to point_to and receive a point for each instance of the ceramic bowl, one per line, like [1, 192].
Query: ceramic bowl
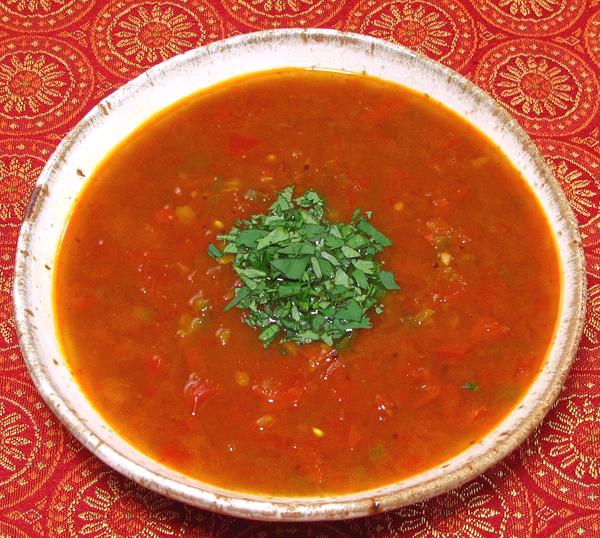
[117, 116]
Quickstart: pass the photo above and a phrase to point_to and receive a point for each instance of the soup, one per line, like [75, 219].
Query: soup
[141, 304]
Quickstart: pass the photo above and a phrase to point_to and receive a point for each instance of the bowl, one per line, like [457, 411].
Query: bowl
[114, 118]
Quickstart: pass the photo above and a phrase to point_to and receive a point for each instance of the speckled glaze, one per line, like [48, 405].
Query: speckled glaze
[117, 116]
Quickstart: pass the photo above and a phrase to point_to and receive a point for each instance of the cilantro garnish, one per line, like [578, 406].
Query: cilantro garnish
[304, 277]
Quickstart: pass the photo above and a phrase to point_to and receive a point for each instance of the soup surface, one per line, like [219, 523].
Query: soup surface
[139, 302]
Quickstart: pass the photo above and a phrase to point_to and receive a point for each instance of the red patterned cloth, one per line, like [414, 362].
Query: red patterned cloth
[539, 58]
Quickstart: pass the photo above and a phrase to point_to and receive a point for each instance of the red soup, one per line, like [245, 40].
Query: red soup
[140, 303]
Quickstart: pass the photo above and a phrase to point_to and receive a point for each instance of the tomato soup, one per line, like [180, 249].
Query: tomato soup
[140, 304]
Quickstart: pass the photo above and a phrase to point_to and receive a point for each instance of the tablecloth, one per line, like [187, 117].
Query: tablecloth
[539, 58]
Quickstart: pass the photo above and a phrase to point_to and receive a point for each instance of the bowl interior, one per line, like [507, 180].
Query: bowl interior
[118, 115]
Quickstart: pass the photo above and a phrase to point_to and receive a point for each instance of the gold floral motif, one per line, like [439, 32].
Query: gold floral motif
[576, 438]
[11, 440]
[536, 86]
[17, 177]
[591, 37]
[31, 442]
[591, 330]
[33, 16]
[581, 527]
[8, 242]
[528, 7]
[153, 33]
[531, 17]
[6, 529]
[414, 27]
[576, 170]
[93, 501]
[8, 335]
[562, 456]
[441, 29]
[495, 504]
[576, 187]
[468, 512]
[33, 5]
[590, 234]
[281, 6]
[592, 325]
[120, 508]
[262, 14]
[21, 162]
[129, 35]
[29, 83]
[44, 83]
[550, 88]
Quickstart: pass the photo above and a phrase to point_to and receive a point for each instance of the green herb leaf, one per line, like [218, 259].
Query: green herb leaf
[352, 312]
[298, 249]
[269, 334]
[241, 294]
[305, 278]
[471, 387]
[249, 238]
[330, 258]
[388, 280]
[331, 241]
[360, 278]
[366, 266]
[276, 236]
[342, 279]
[374, 233]
[349, 252]
[291, 268]
[214, 252]
[316, 268]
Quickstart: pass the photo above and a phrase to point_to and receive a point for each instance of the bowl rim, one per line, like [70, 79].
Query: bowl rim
[292, 508]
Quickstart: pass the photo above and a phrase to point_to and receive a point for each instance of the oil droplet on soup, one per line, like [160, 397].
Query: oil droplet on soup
[139, 302]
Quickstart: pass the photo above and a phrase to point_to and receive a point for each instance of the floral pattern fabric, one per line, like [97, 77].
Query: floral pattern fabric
[539, 58]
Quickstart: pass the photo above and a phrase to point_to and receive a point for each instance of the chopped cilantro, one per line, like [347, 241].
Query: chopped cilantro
[471, 387]
[388, 281]
[305, 278]
[214, 251]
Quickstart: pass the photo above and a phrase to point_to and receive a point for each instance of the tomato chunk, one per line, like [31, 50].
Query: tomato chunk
[198, 391]
[241, 144]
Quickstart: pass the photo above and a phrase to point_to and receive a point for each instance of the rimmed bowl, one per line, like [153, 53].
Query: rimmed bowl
[118, 115]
